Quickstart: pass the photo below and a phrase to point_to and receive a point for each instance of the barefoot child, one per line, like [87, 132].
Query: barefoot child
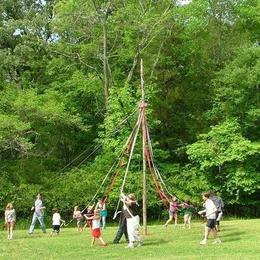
[10, 219]
[95, 229]
[88, 214]
[173, 212]
[188, 208]
[210, 210]
[56, 222]
[78, 216]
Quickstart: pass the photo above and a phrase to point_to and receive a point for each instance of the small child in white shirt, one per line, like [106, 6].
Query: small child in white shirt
[10, 218]
[56, 221]
[95, 228]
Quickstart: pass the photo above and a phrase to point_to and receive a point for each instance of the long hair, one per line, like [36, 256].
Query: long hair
[9, 206]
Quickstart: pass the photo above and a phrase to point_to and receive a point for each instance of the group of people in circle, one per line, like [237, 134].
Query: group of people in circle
[129, 220]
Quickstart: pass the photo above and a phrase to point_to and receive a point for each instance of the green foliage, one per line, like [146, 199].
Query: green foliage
[223, 144]
[14, 135]
[229, 153]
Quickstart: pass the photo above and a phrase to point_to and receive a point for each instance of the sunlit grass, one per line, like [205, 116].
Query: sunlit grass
[241, 240]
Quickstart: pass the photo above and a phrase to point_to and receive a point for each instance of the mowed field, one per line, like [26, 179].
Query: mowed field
[240, 240]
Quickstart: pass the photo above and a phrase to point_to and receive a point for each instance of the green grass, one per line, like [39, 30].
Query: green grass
[241, 240]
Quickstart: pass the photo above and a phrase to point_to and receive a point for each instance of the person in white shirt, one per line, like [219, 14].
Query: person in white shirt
[132, 220]
[38, 214]
[95, 228]
[210, 213]
[56, 221]
[10, 219]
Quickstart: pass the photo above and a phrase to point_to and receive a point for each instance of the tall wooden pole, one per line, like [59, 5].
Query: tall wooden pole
[105, 62]
[143, 106]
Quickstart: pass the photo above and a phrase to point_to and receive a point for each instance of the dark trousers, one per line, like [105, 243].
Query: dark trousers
[121, 230]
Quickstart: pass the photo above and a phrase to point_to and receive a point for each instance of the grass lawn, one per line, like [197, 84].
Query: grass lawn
[241, 240]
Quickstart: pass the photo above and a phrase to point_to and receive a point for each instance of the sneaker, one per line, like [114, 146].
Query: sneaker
[165, 226]
[129, 246]
[103, 244]
[217, 241]
[203, 242]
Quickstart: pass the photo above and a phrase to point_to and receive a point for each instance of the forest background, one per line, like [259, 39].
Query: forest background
[70, 73]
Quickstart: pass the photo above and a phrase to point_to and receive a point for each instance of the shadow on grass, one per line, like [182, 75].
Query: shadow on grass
[224, 228]
[155, 242]
[234, 236]
[39, 234]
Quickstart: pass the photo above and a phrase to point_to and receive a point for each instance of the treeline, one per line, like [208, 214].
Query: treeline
[69, 74]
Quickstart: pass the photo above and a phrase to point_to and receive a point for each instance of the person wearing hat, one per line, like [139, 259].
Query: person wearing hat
[132, 219]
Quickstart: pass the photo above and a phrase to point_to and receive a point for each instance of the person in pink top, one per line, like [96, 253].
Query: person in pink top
[173, 212]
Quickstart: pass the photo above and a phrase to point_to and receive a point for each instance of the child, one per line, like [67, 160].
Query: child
[210, 210]
[56, 221]
[95, 229]
[10, 219]
[78, 216]
[173, 210]
[89, 213]
[187, 214]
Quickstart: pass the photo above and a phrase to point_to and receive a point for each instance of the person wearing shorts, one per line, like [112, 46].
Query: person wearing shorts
[79, 218]
[95, 228]
[188, 208]
[173, 212]
[219, 205]
[56, 222]
[210, 210]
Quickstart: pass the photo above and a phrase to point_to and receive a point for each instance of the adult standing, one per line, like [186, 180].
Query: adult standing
[101, 205]
[38, 214]
[122, 229]
[132, 220]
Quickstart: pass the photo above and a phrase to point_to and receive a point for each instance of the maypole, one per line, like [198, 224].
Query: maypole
[142, 110]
